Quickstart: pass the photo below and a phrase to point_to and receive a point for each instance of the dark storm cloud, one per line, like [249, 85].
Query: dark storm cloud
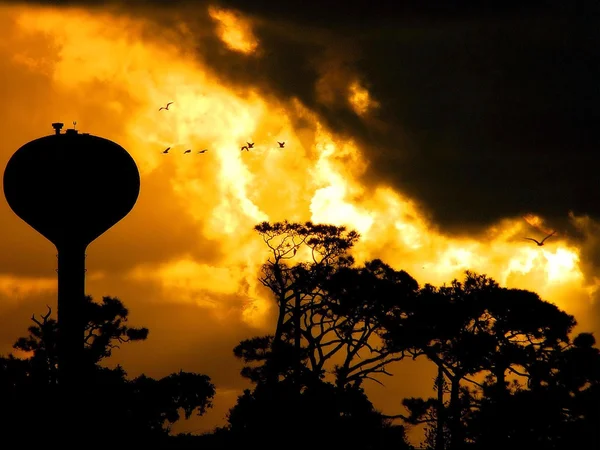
[501, 117]
[485, 111]
[487, 116]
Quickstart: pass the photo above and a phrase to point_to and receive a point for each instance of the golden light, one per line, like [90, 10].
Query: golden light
[225, 192]
[533, 220]
[360, 99]
[537, 222]
[561, 265]
[234, 31]
[15, 288]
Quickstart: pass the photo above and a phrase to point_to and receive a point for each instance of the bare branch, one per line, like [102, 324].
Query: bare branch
[47, 314]
[44, 318]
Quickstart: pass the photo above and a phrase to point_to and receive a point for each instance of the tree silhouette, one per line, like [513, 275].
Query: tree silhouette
[138, 410]
[323, 416]
[328, 308]
[359, 301]
[558, 409]
[296, 289]
[509, 372]
[156, 404]
[105, 329]
[478, 330]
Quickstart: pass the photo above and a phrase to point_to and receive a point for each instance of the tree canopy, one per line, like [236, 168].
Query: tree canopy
[115, 407]
[509, 370]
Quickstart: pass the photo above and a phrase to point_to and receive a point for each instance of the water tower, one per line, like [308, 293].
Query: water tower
[71, 187]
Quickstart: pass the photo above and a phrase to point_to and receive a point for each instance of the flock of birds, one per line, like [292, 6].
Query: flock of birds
[246, 147]
[250, 145]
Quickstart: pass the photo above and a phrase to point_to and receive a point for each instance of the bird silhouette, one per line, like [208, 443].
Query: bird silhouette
[245, 147]
[203, 151]
[187, 151]
[250, 144]
[543, 240]
[167, 150]
[281, 144]
[165, 107]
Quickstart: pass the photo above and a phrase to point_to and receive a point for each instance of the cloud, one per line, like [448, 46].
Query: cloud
[401, 132]
[299, 83]
[500, 109]
[479, 103]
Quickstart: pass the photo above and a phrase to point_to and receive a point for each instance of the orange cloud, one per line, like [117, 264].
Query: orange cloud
[186, 260]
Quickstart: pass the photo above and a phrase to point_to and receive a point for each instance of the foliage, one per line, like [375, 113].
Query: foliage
[115, 407]
[510, 373]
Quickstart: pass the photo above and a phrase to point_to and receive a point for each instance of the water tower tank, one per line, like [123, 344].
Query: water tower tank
[71, 187]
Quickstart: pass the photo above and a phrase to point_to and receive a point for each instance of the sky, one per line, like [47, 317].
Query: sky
[443, 136]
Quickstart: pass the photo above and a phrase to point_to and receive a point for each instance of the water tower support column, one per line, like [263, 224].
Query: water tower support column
[71, 294]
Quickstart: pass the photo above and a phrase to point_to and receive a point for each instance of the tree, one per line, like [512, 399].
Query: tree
[557, 409]
[478, 329]
[327, 308]
[138, 409]
[155, 405]
[359, 302]
[105, 329]
[323, 416]
[296, 288]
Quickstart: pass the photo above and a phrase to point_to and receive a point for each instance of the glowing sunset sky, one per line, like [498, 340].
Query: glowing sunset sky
[442, 162]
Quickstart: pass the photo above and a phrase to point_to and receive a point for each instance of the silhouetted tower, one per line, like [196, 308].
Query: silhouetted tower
[71, 188]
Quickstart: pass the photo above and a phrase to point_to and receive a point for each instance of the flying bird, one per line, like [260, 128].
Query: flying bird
[203, 151]
[167, 150]
[281, 144]
[165, 107]
[245, 147]
[187, 151]
[250, 144]
[540, 243]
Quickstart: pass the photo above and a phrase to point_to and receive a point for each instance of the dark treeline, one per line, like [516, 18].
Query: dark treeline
[510, 372]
